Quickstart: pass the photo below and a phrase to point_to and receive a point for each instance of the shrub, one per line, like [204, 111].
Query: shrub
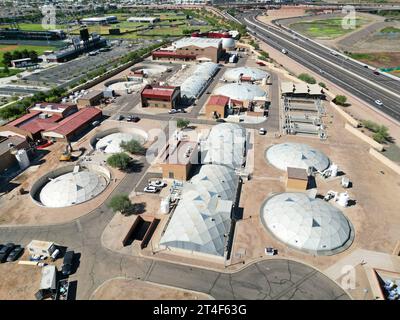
[307, 78]
[132, 146]
[120, 202]
[119, 160]
[182, 123]
[323, 85]
[340, 100]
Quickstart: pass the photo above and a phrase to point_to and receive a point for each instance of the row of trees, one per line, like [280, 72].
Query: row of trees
[17, 54]
[20, 108]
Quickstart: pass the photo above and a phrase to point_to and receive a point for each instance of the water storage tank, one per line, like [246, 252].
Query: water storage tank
[23, 159]
[228, 43]
[343, 199]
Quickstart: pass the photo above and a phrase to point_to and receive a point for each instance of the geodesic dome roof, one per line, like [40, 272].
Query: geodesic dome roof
[296, 155]
[215, 180]
[241, 91]
[201, 220]
[72, 188]
[111, 143]
[252, 73]
[225, 145]
[308, 224]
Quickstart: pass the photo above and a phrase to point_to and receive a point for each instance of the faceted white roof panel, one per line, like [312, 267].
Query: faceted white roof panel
[198, 42]
[241, 91]
[72, 188]
[193, 85]
[296, 155]
[226, 145]
[253, 73]
[309, 224]
[201, 221]
[111, 143]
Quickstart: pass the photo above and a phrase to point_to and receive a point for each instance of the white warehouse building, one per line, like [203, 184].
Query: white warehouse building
[201, 223]
[242, 91]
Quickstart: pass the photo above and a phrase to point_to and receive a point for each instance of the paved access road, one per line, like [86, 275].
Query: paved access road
[349, 75]
[273, 279]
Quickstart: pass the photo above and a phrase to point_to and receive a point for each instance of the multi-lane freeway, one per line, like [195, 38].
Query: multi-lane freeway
[355, 78]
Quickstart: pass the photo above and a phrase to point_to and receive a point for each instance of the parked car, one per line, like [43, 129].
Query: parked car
[95, 123]
[378, 102]
[68, 263]
[182, 110]
[120, 117]
[220, 120]
[172, 111]
[269, 251]
[150, 189]
[262, 131]
[15, 253]
[157, 183]
[5, 251]
[132, 119]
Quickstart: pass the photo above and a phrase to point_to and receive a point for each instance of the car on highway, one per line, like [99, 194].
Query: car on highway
[284, 51]
[150, 189]
[157, 183]
[15, 253]
[68, 263]
[334, 53]
[378, 102]
[376, 72]
[5, 251]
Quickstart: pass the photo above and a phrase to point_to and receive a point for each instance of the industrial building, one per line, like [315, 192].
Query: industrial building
[245, 74]
[90, 99]
[297, 179]
[242, 92]
[226, 145]
[228, 43]
[40, 117]
[195, 85]
[308, 224]
[9, 147]
[177, 159]
[202, 221]
[296, 155]
[302, 90]
[219, 106]
[144, 19]
[69, 128]
[99, 20]
[160, 96]
[200, 49]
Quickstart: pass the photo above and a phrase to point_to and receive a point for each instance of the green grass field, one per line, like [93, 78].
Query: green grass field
[12, 72]
[390, 30]
[39, 49]
[326, 29]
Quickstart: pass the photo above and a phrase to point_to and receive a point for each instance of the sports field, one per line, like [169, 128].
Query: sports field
[326, 28]
[5, 47]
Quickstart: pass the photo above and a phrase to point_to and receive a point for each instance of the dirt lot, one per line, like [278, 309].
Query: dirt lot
[129, 289]
[20, 282]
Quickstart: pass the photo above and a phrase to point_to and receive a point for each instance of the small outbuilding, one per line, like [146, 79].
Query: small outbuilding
[297, 179]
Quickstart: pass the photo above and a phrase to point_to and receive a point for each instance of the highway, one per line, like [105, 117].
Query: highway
[347, 74]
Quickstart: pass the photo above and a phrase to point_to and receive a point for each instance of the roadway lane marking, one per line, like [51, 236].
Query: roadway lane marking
[393, 112]
[323, 59]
